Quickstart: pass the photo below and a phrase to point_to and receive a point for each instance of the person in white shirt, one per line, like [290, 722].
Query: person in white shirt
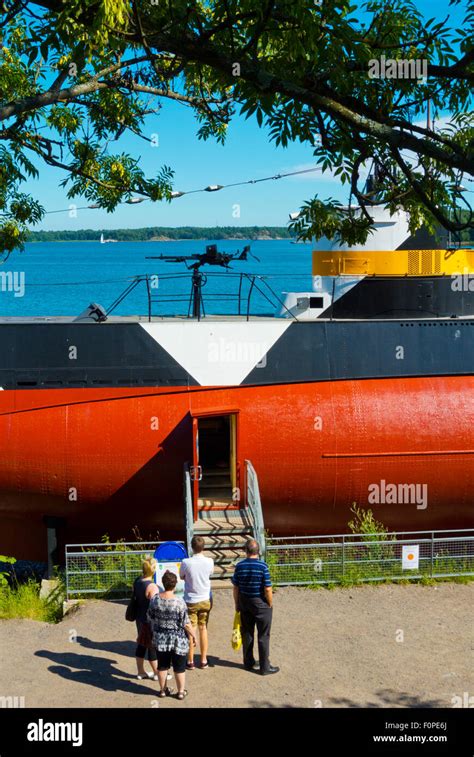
[196, 571]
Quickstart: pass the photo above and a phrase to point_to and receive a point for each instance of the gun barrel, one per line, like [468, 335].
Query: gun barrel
[168, 258]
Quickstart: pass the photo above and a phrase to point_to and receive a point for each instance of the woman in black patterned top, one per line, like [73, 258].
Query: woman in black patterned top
[144, 588]
[171, 629]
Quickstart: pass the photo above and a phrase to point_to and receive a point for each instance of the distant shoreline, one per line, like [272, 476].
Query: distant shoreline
[167, 234]
[169, 239]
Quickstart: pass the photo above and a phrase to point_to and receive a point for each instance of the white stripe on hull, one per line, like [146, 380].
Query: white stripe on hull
[389, 233]
[335, 286]
[218, 353]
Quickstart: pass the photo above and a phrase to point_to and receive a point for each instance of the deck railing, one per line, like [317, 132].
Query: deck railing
[188, 507]
[236, 290]
[254, 506]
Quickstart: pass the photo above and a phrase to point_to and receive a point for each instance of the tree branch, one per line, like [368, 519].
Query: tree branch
[419, 191]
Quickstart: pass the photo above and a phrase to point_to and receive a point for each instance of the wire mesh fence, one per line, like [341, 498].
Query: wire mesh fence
[105, 569]
[110, 570]
[370, 557]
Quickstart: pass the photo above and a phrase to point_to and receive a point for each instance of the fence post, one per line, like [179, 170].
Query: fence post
[343, 555]
[432, 553]
[125, 569]
[67, 576]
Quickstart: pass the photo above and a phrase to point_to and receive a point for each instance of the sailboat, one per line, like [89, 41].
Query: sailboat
[104, 241]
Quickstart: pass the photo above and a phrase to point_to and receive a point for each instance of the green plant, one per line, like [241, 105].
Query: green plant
[4, 574]
[371, 557]
[22, 600]
[364, 522]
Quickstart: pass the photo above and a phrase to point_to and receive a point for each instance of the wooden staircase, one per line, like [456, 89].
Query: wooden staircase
[225, 534]
[215, 490]
[224, 526]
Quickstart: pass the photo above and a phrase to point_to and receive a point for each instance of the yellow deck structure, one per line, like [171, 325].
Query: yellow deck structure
[392, 263]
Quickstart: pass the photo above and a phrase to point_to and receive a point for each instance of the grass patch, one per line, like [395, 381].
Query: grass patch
[23, 601]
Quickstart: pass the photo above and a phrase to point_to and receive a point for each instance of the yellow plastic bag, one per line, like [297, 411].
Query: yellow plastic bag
[236, 633]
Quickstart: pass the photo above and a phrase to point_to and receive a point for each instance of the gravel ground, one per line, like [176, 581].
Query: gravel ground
[335, 648]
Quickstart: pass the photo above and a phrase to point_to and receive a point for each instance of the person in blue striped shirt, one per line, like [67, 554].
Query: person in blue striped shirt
[253, 598]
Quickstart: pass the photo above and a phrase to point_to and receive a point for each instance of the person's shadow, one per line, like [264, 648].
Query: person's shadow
[127, 648]
[94, 671]
[219, 662]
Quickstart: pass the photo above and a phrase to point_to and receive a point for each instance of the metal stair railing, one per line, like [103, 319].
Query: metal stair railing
[254, 507]
[188, 507]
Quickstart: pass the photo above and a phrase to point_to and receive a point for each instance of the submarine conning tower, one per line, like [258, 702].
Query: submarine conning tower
[394, 275]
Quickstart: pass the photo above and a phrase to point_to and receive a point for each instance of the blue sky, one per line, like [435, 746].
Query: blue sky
[247, 154]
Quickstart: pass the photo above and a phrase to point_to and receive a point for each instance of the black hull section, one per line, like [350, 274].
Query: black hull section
[404, 297]
[359, 350]
[36, 355]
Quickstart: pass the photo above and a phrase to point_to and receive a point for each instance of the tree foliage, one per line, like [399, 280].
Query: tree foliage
[75, 76]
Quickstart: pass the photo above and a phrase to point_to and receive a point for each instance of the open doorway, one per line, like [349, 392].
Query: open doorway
[215, 462]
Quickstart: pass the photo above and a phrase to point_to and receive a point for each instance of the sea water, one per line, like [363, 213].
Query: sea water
[63, 278]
